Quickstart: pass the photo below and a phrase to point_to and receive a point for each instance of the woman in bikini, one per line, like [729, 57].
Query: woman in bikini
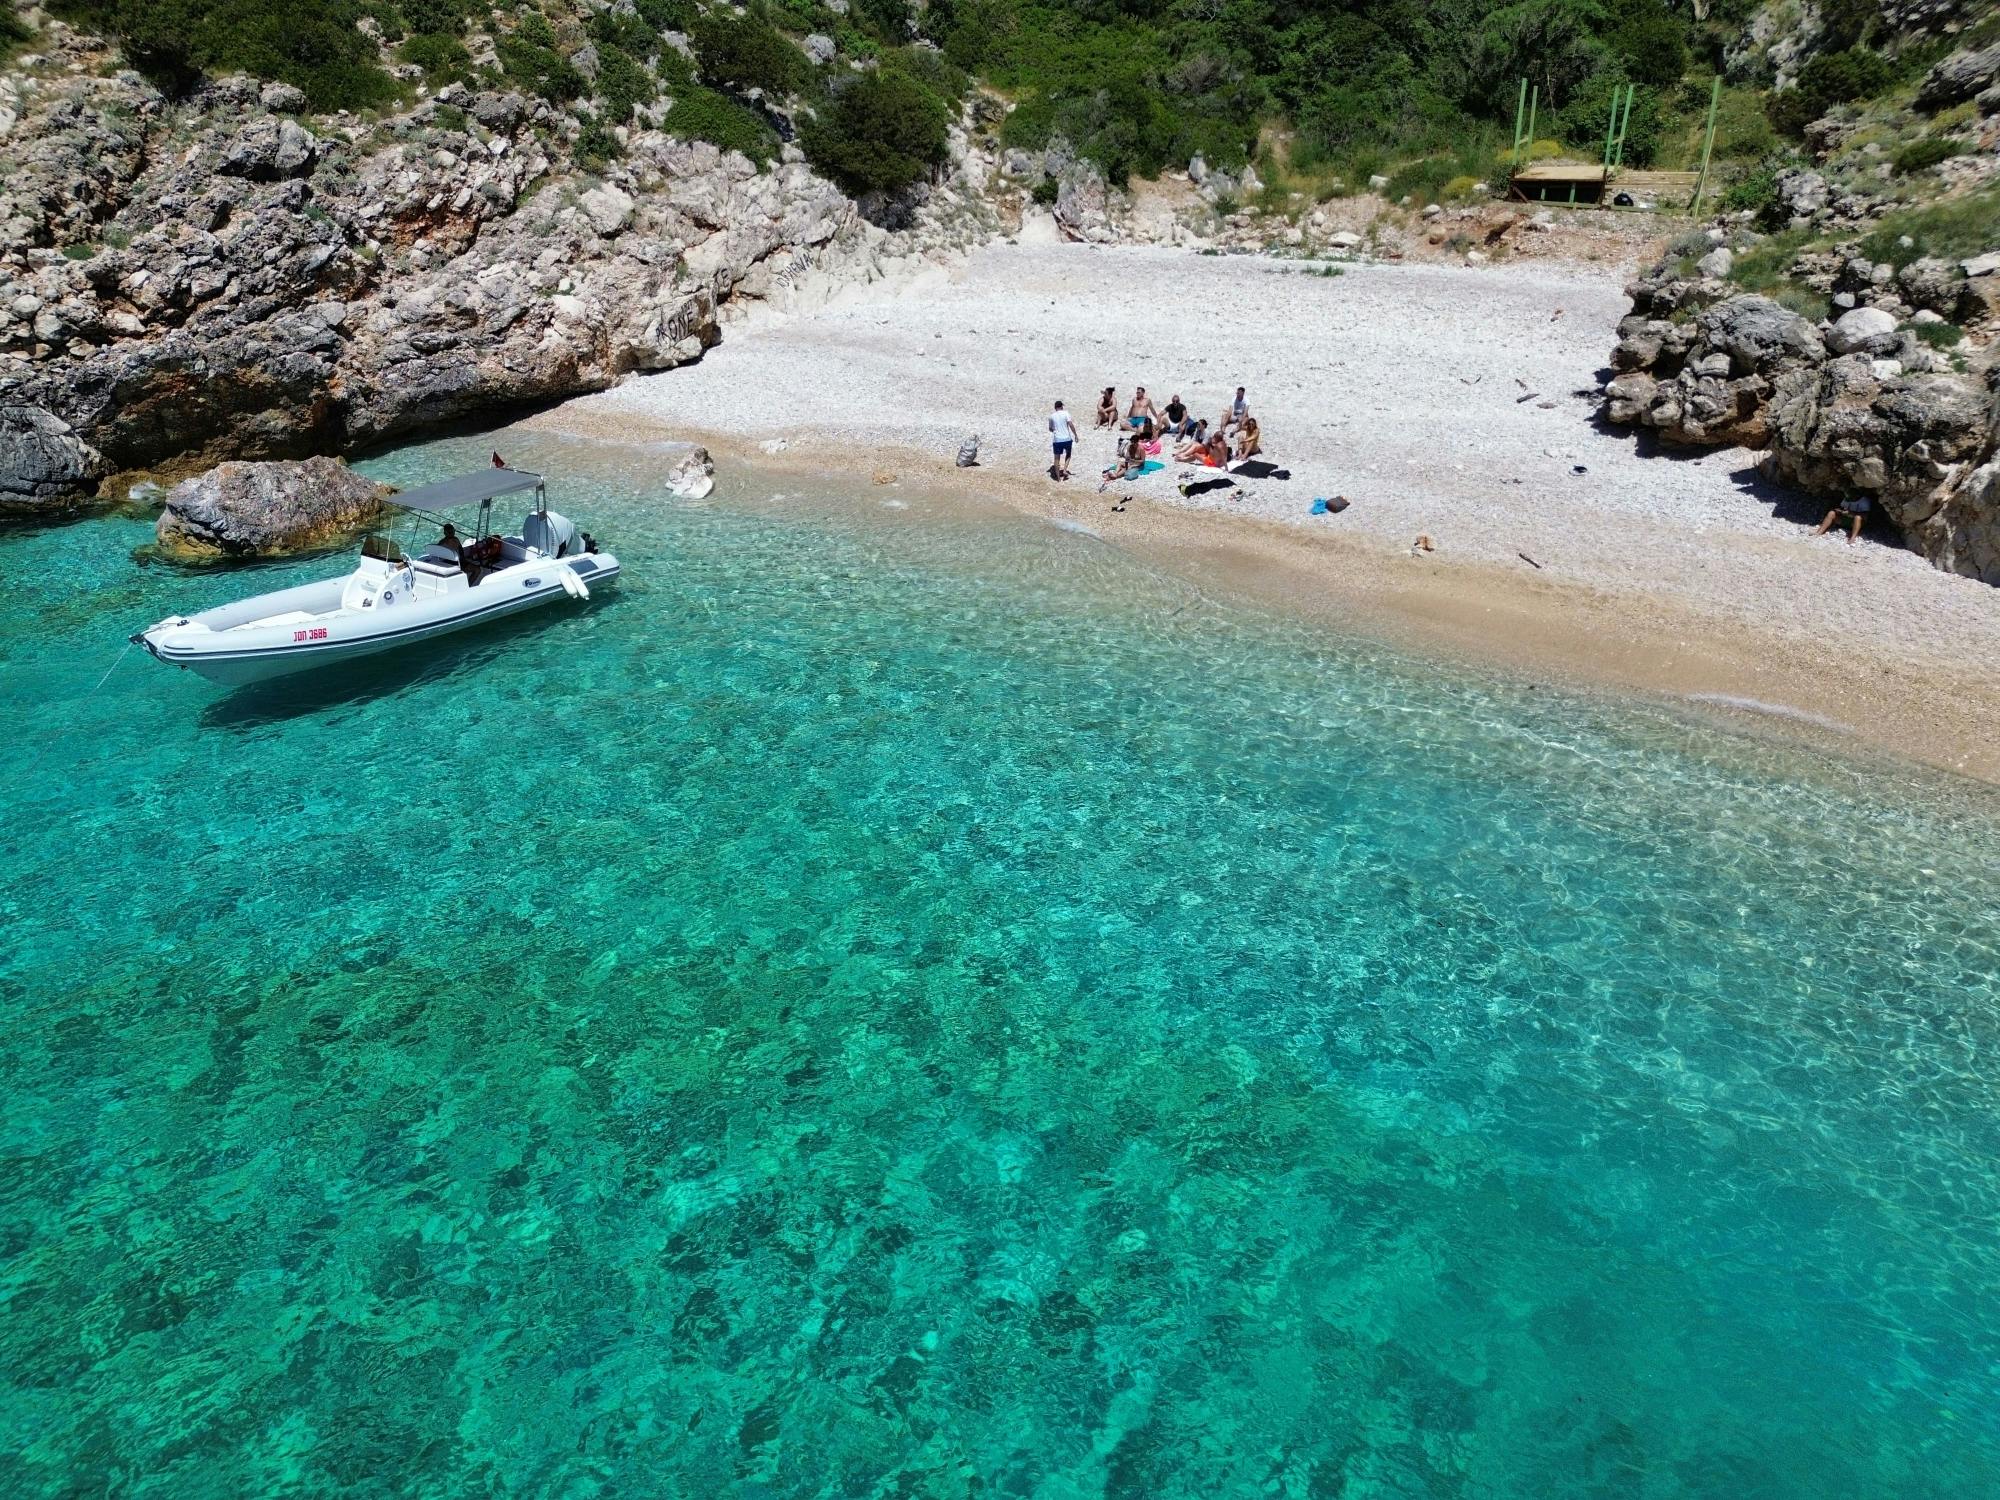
[1107, 407]
[1248, 442]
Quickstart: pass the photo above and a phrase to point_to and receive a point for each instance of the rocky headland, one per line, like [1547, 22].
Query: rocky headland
[184, 281]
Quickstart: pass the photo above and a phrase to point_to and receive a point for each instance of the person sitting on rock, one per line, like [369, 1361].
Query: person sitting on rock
[1855, 508]
[1107, 407]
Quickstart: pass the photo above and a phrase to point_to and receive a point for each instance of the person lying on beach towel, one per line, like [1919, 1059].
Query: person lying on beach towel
[1197, 439]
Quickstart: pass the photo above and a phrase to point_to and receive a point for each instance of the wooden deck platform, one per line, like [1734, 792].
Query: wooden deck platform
[1588, 182]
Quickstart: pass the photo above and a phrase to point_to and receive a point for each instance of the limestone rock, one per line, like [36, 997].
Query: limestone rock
[608, 208]
[1959, 77]
[693, 476]
[819, 48]
[266, 509]
[1717, 263]
[43, 463]
[1865, 330]
[1918, 443]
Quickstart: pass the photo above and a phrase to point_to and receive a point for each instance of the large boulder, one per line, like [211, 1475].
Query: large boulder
[1759, 335]
[267, 509]
[1922, 445]
[1865, 330]
[1959, 77]
[44, 465]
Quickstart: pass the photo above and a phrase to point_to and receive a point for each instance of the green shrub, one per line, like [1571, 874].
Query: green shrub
[313, 44]
[701, 114]
[13, 31]
[622, 85]
[1757, 190]
[595, 144]
[882, 132]
[748, 53]
[1829, 79]
[1950, 230]
[1938, 335]
[1047, 191]
[436, 17]
[533, 28]
[1921, 155]
[1653, 43]
[623, 31]
[538, 67]
[439, 56]
[667, 15]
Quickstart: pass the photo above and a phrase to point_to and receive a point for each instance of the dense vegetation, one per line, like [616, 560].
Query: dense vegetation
[1324, 93]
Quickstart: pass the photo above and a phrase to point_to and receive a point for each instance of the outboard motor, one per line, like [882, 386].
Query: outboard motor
[548, 533]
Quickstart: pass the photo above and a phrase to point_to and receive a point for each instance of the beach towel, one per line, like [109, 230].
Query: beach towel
[1256, 468]
[1154, 446]
[1150, 466]
[1203, 486]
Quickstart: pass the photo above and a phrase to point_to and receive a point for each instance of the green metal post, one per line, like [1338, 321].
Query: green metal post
[1624, 123]
[1520, 114]
[1610, 130]
[1707, 146]
[1534, 103]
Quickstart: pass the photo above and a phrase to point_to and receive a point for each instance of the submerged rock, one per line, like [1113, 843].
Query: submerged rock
[267, 509]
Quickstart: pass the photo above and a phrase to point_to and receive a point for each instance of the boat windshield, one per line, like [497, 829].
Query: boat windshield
[382, 548]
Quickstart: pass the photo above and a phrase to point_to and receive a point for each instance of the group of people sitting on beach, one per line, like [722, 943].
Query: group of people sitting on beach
[1149, 431]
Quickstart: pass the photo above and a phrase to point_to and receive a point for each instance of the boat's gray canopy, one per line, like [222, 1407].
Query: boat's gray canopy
[467, 489]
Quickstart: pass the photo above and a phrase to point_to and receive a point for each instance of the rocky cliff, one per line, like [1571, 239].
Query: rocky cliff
[222, 277]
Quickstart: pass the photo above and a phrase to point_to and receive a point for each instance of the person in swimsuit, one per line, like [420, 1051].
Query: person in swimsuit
[1107, 407]
[1197, 439]
[1247, 440]
[1142, 410]
[1062, 436]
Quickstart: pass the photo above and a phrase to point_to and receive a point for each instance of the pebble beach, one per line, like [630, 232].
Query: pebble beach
[1451, 402]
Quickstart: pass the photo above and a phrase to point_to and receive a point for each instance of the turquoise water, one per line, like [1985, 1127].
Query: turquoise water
[888, 1003]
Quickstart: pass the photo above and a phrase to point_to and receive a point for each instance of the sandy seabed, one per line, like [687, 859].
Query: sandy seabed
[1450, 402]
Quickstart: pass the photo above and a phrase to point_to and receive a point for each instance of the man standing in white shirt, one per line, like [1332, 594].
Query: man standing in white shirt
[1062, 435]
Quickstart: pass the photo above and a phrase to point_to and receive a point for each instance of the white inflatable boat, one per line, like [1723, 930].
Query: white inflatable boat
[394, 599]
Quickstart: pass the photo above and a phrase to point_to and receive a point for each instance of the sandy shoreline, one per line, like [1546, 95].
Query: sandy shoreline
[1399, 387]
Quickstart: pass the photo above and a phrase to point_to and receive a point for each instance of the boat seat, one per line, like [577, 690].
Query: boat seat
[435, 565]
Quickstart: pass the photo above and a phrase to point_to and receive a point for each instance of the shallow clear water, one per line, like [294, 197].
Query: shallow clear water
[893, 1003]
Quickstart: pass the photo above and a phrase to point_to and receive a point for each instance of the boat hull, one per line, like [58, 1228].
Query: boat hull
[241, 655]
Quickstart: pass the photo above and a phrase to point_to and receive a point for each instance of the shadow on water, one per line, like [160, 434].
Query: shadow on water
[354, 684]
